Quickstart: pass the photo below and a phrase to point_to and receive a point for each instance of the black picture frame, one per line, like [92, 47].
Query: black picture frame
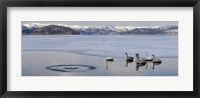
[98, 3]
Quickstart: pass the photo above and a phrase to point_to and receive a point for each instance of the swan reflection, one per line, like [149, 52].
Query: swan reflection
[107, 63]
[127, 62]
[154, 64]
[139, 65]
[147, 64]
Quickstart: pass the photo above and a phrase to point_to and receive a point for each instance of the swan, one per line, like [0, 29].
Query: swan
[129, 58]
[139, 61]
[109, 58]
[147, 57]
[156, 60]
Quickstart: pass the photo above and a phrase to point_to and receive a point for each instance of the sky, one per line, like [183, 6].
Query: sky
[108, 23]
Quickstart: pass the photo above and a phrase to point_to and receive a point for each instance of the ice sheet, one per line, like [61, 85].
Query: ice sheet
[97, 45]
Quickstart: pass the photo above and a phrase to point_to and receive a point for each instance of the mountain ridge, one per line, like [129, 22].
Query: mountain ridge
[61, 29]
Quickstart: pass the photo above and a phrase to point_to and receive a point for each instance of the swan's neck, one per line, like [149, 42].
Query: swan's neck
[126, 55]
[153, 57]
[137, 57]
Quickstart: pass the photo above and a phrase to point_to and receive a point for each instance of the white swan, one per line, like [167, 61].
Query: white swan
[147, 57]
[155, 60]
[129, 58]
[139, 61]
[109, 58]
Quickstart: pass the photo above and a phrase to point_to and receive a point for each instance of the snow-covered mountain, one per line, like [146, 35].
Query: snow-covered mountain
[35, 25]
[48, 30]
[42, 29]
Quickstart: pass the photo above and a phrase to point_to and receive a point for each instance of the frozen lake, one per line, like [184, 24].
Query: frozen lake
[116, 46]
[84, 55]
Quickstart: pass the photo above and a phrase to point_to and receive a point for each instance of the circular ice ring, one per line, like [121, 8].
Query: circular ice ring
[71, 68]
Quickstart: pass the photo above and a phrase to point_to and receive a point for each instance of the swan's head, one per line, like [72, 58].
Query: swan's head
[137, 56]
[126, 53]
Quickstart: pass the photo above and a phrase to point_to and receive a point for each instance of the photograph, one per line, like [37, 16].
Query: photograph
[99, 48]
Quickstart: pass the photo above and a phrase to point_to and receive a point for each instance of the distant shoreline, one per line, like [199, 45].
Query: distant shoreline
[54, 29]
